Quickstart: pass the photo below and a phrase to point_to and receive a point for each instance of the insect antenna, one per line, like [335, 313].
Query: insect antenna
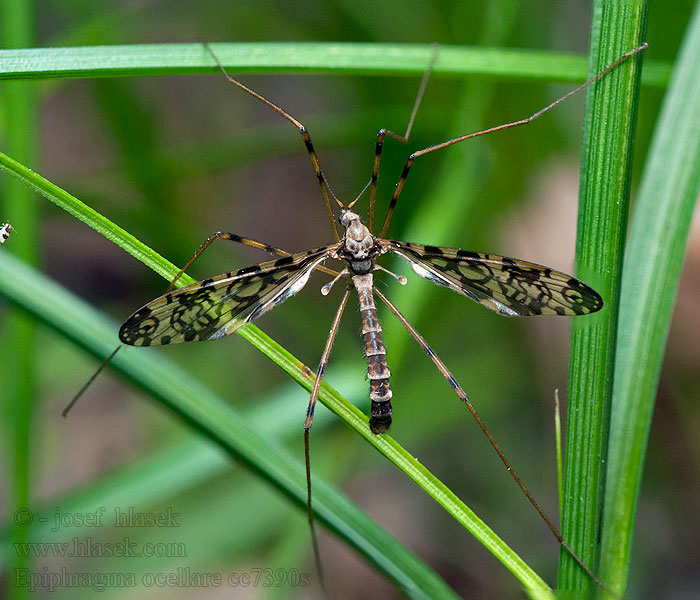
[362, 193]
[463, 397]
[382, 133]
[412, 158]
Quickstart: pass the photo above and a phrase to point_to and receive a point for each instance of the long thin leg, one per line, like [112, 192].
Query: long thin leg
[304, 135]
[463, 397]
[382, 133]
[75, 398]
[309, 419]
[324, 361]
[412, 158]
[225, 235]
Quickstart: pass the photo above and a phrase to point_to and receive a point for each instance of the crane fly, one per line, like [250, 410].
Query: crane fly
[218, 306]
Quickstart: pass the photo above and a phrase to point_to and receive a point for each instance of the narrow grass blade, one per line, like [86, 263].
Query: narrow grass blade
[19, 136]
[603, 205]
[317, 57]
[655, 251]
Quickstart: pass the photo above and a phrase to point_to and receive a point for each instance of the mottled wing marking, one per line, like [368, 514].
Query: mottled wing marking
[509, 286]
[216, 307]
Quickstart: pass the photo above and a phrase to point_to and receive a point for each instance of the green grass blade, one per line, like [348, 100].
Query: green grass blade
[655, 251]
[603, 206]
[20, 137]
[295, 57]
[209, 419]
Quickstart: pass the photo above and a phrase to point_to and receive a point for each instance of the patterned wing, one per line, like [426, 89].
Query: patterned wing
[218, 306]
[508, 286]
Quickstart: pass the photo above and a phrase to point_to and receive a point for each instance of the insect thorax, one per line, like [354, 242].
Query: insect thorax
[359, 245]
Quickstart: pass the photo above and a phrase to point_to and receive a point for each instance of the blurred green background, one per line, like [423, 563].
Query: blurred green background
[172, 159]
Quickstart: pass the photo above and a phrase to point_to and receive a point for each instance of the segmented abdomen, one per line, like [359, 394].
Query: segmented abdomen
[377, 367]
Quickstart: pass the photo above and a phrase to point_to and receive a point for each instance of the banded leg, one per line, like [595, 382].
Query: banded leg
[382, 133]
[463, 397]
[225, 235]
[325, 188]
[309, 419]
[412, 158]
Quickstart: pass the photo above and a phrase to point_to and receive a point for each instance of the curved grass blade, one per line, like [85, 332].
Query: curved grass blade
[295, 57]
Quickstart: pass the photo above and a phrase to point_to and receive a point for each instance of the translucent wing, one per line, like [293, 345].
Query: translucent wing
[218, 306]
[508, 286]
